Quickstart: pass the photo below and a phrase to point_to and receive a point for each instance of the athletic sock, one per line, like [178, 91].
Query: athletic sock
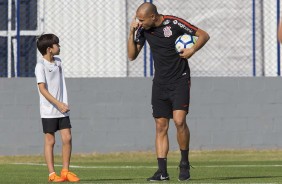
[184, 155]
[162, 162]
[51, 173]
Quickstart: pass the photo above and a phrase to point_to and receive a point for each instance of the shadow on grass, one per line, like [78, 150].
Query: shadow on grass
[247, 177]
[237, 178]
[107, 179]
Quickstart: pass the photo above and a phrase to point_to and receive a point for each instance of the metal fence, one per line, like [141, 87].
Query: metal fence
[93, 36]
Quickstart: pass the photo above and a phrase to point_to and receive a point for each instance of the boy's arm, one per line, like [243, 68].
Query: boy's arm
[60, 105]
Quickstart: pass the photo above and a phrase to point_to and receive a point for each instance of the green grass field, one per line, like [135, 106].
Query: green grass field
[134, 167]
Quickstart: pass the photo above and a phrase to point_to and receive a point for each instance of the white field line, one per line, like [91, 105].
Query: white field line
[148, 167]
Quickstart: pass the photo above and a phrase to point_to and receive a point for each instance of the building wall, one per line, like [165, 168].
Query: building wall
[114, 114]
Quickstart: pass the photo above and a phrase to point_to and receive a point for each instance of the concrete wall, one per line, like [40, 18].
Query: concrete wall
[114, 114]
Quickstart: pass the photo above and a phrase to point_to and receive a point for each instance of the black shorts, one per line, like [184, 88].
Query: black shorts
[169, 97]
[51, 125]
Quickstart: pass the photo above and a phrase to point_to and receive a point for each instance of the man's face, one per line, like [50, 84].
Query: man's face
[146, 21]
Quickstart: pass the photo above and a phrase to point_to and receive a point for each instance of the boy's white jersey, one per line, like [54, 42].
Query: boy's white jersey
[52, 75]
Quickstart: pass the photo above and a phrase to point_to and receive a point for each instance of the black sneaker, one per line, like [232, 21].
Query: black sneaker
[184, 173]
[159, 176]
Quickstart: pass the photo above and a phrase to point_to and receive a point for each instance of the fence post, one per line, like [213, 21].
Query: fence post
[151, 58]
[278, 44]
[18, 38]
[254, 38]
[9, 40]
[145, 55]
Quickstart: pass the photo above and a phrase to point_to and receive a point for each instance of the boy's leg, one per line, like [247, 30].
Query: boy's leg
[49, 129]
[66, 154]
[66, 147]
[48, 151]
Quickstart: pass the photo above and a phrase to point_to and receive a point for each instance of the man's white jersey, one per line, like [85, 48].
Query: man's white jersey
[53, 76]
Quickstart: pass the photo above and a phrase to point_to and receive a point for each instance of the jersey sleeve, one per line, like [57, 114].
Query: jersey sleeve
[183, 26]
[40, 73]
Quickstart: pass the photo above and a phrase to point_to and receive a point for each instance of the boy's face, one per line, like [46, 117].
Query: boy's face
[55, 49]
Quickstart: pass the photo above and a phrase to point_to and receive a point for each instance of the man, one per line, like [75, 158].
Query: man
[171, 83]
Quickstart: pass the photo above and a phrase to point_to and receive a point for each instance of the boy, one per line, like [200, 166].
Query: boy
[54, 108]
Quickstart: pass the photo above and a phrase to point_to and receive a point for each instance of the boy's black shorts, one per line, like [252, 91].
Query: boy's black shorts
[169, 97]
[51, 125]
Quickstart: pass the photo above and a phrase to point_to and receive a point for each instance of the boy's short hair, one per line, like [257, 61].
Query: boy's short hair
[45, 41]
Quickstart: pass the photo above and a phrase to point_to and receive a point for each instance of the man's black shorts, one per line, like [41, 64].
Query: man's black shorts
[169, 97]
[51, 125]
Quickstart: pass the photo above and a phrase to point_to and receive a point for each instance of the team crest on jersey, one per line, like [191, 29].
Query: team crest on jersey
[167, 31]
[166, 22]
[175, 21]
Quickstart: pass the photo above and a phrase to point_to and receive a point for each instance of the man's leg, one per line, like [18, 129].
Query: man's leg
[162, 146]
[183, 133]
[162, 143]
[183, 138]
